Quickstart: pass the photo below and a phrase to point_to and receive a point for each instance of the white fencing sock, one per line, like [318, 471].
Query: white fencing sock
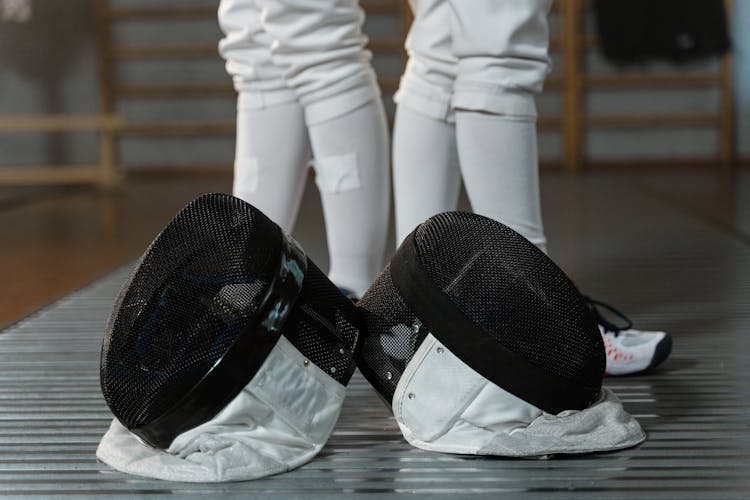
[500, 166]
[426, 177]
[352, 174]
[271, 160]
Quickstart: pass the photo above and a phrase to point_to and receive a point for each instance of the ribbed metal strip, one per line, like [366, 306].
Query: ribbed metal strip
[695, 411]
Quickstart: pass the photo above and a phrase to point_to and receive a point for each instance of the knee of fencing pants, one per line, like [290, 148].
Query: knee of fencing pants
[493, 99]
[425, 91]
[246, 47]
[427, 83]
[327, 106]
[320, 45]
[502, 52]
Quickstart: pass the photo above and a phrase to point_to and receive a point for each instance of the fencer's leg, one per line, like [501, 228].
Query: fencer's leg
[321, 46]
[268, 114]
[272, 156]
[502, 50]
[426, 178]
[351, 171]
[501, 46]
[499, 163]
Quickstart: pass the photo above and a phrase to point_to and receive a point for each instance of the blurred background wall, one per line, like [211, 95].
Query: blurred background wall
[48, 65]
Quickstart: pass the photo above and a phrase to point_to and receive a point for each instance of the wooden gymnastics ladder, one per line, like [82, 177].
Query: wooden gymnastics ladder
[575, 123]
[572, 82]
[104, 173]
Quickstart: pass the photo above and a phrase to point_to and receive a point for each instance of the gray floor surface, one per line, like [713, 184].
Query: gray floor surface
[665, 248]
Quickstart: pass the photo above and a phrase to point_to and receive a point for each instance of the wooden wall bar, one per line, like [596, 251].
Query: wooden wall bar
[571, 80]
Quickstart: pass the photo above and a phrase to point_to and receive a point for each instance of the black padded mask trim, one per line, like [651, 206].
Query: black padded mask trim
[234, 370]
[476, 348]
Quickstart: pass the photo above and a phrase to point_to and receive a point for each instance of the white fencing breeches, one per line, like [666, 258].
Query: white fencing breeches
[307, 89]
[313, 52]
[474, 69]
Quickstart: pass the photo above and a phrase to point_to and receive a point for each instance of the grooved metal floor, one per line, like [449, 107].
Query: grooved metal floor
[646, 252]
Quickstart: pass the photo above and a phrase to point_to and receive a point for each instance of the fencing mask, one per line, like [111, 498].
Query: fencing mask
[481, 345]
[228, 351]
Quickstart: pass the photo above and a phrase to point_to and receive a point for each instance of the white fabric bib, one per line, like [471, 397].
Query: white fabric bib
[442, 404]
[279, 421]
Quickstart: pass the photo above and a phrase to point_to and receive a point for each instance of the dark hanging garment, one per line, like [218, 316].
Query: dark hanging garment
[678, 30]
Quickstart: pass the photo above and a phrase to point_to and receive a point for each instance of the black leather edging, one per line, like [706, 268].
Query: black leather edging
[476, 348]
[236, 368]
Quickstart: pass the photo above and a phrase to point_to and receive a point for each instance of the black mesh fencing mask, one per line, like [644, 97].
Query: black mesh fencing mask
[480, 344]
[228, 351]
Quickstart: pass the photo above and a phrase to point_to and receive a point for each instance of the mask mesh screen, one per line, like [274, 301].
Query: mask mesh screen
[193, 293]
[504, 285]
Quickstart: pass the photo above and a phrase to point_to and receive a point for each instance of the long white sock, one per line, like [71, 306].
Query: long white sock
[426, 177]
[271, 160]
[352, 174]
[500, 166]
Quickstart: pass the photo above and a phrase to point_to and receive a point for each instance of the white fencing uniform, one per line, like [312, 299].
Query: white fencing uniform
[307, 89]
[466, 108]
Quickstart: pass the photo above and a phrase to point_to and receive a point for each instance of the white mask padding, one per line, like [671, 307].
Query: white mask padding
[279, 421]
[441, 404]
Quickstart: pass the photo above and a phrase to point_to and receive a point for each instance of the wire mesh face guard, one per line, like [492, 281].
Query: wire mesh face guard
[495, 301]
[205, 305]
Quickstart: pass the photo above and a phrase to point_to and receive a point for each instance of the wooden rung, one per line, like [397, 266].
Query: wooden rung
[651, 79]
[549, 122]
[50, 174]
[178, 128]
[386, 45]
[158, 51]
[646, 121]
[152, 170]
[175, 90]
[40, 123]
[165, 13]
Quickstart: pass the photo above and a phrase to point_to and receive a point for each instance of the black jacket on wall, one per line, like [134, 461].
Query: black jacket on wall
[678, 30]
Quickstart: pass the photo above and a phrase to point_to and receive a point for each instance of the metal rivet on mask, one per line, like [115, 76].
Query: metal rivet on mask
[415, 326]
[306, 362]
[440, 350]
[333, 369]
[342, 351]
[388, 375]
[412, 395]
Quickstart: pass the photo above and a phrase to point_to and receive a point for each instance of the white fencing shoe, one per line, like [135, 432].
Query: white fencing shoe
[629, 350]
